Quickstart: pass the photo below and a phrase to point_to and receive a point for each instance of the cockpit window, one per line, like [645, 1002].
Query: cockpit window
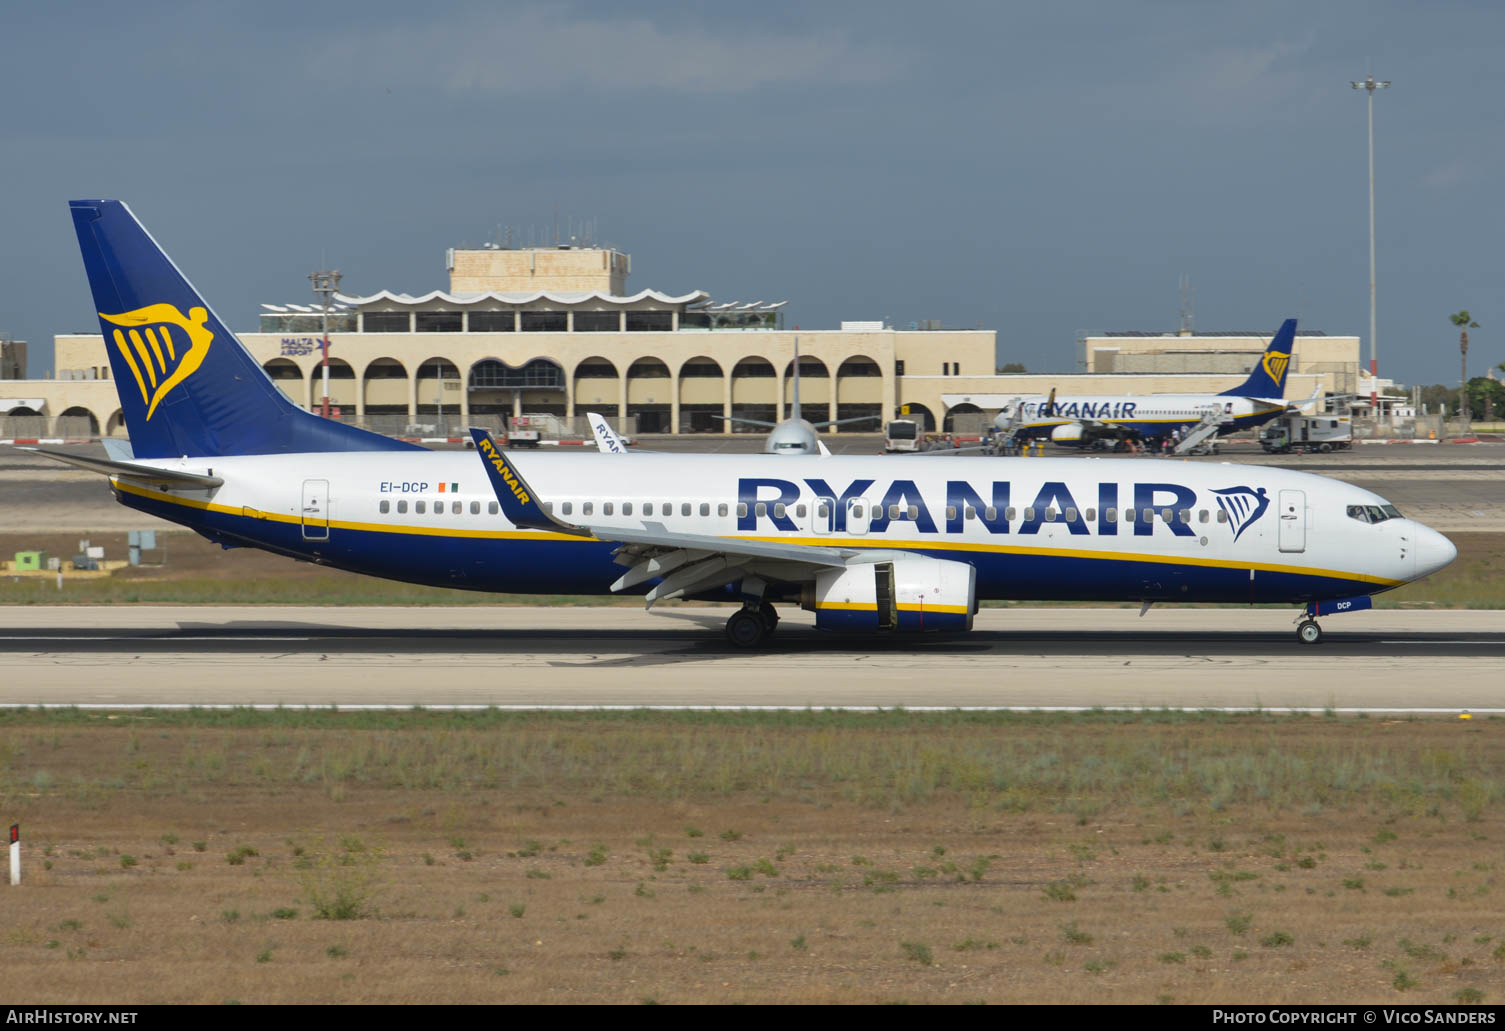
[1373, 513]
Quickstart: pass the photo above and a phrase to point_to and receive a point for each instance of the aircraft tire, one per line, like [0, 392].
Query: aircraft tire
[746, 629]
[1309, 632]
[770, 617]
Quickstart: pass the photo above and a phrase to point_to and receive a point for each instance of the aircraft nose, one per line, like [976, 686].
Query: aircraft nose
[1433, 551]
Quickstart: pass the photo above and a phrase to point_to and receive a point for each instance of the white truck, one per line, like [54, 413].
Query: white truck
[1306, 433]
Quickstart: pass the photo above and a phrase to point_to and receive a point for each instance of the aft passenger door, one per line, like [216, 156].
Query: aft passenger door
[316, 510]
[1293, 520]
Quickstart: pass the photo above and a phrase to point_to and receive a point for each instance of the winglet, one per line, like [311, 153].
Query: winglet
[519, 504]
[607, 441]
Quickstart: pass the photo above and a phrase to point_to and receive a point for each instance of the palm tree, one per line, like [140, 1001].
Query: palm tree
[1464, 324]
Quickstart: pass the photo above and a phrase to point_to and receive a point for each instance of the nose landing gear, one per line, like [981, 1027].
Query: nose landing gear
[1309, 632]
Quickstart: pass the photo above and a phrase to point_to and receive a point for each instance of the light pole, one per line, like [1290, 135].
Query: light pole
[1369, 86]
[326, 283]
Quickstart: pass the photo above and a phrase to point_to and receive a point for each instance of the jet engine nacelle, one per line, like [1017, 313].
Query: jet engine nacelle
[1070, 433]
[910, 593]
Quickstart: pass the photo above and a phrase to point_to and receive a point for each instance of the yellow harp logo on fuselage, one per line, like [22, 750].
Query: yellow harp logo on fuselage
[161, 347]
[1276, 364]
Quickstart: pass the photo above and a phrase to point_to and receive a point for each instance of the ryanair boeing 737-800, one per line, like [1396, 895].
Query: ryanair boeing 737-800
[869, 544]
[1099, 419]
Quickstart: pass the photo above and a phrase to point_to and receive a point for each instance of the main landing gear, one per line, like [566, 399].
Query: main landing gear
[752, 625]
[1309, 632]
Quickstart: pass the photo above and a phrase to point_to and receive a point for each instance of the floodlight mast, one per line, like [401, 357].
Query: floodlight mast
[326, 284]
[1369, 85]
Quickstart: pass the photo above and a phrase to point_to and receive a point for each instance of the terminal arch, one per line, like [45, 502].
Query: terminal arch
[537, 387]
[597, 386]
[80, 422]
[965, 418]
[285, 373]
[922, 415]
[815, 382]
[384, 388]
[115, 424]
[342, 389]
[650, 393]
[754, 393]
[702, 395]
[859, 394]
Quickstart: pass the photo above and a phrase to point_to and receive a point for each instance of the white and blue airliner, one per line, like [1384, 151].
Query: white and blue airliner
[869, 544]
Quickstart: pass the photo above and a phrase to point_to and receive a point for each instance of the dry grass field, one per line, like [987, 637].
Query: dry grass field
[758, 858]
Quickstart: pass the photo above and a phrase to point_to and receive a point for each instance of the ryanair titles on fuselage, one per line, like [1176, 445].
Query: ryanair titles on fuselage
[761, 499]
[1080, 409]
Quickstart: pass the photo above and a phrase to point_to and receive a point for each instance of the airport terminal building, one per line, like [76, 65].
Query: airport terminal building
[553, 333]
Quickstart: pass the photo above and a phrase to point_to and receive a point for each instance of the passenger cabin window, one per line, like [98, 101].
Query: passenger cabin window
[402, 508]
[475, 508]
[799, 511]
[419, 506]
[647, 508]
[491, 507]
[684, 509]
[721, 509]
[606, 508]
[741, 509]
[587, 507]
[705, 509]
[456, 506]
[778, 511]
[384, 507]
[762, 509]
[1202, 516]
[1184, 515]
[950, 512]
[971, 512]
[1029, 513]
[914, 511]
[567, 508]
[627, 508]
[893, 511]
[1222, 516]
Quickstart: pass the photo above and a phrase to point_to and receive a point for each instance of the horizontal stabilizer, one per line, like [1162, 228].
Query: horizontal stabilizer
[135, 471]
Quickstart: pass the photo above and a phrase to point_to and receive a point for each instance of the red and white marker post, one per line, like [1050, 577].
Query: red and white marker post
[15, 854]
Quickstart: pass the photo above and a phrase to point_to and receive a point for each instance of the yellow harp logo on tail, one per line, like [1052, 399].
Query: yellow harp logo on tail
[161, 346]
[1275, 364]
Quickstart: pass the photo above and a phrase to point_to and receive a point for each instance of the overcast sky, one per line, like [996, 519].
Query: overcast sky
[1040, 169]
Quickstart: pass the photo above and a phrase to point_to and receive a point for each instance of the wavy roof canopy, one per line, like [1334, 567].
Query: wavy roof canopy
[468, 300]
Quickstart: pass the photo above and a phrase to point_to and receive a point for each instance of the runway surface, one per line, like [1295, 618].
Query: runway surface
[485, 655]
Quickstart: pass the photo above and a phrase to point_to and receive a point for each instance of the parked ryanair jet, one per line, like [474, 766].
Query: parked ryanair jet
[868, 544]
[1102, 418]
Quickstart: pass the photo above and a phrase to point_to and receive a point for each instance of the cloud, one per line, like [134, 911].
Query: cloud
[543, 50]
[1454, 173]
[1221, 86]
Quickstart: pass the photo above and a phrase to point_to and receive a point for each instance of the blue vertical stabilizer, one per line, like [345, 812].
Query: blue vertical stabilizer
[187, 386]
[1268, 378]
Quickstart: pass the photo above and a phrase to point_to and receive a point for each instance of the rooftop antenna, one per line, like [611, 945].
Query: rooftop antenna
[1188, 307]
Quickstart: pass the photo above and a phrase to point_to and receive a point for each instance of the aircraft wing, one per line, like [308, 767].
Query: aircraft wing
[174, 477]
[685, 562]
[738, 418]
[843, 422]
